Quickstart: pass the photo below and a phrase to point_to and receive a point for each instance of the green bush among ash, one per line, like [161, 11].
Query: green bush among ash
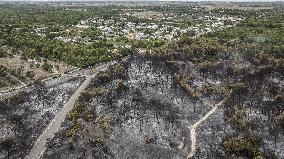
[244, 146]
[95, 91]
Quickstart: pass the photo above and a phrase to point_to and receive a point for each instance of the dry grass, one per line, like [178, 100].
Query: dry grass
[22, 66]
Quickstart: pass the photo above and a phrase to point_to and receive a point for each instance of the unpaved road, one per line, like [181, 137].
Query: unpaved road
[40, 145]
[193, 127]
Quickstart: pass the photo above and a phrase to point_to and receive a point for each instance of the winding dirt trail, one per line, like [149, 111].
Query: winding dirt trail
[40, 145]
[195, 126]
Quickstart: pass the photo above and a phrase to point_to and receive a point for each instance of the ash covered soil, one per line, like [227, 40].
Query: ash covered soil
[24, 116]
[133, 110]
[143, 108]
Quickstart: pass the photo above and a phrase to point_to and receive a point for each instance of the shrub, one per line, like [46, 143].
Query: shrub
[47, 67]
[76, 111]
[182, 81]
[118, 70]
[30, 74]
[104, 122]
[246, 146]
[103, 77]
[239, 119]
[74, 130]
[119, 86]
[3, 71]
[95, 91]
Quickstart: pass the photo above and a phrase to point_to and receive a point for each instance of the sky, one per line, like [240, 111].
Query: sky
[156, 0]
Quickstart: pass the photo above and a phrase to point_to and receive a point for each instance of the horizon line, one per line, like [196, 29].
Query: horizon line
[142, 1]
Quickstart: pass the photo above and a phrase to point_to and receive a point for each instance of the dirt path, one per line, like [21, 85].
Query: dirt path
[195, 126]
[40, 145]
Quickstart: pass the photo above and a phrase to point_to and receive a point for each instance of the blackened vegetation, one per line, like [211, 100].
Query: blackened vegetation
[119, 95]
[144, 109]
[24, 116]
[132, 110]
[255, 109]
[135, 102]
[250, 125]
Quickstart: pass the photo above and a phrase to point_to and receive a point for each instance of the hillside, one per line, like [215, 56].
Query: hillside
[215, 95]
[145, 107]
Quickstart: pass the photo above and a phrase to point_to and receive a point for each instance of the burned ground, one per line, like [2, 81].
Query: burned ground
[24, 116]
[142, 109]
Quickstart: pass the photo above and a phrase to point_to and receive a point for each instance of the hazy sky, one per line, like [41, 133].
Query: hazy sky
[155, 0]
